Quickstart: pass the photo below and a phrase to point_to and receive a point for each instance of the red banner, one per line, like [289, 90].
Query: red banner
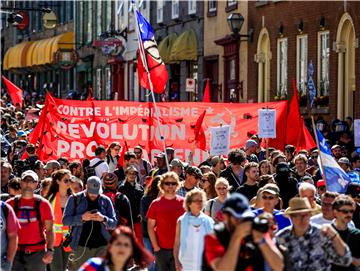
[72, 129]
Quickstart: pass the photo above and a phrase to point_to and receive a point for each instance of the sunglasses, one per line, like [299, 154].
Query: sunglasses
[267, 197]
[170, 183]
[345, 212]
[221, 188]
[66, 180]
[28, 180]
[131, 173]
[137, 152]
[314, 157]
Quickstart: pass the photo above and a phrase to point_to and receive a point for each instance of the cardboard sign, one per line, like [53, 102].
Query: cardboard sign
[267, 123]
[220, 140]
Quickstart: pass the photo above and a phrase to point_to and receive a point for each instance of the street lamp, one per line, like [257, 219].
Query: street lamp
[235, 22]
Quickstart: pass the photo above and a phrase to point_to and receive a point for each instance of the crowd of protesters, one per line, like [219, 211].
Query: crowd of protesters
[251, 210]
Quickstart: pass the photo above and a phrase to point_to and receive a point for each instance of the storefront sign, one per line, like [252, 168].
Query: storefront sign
[66, 59]
[111, 46]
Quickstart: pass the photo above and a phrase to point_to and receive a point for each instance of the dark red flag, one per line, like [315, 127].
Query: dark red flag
[16, 93]
[200, 139]
[206, 97]
[296, 131]
[124, 149]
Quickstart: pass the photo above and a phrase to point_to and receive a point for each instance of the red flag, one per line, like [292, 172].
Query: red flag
[158, 73]
[206, 97]
[200, 139]
[15, 92]
[124, 149]
[90, 96]
[296, 131]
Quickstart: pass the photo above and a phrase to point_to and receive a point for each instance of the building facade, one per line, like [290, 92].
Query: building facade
[179, 28]
[225, 54]
[35, 57]
[288, 36]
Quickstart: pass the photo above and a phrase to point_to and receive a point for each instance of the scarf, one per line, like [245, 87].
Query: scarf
[186, 219]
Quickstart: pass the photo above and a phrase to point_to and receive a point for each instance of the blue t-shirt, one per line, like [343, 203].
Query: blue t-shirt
[281, 220]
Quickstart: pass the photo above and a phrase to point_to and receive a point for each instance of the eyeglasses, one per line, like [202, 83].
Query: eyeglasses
[29, 180]
[267, 197]
[344, 211]
[170, 183]
[66, 180]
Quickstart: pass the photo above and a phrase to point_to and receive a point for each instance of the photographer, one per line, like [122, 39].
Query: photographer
[236, 244]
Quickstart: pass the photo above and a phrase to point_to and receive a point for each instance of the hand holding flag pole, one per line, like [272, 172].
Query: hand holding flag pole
[144, 29]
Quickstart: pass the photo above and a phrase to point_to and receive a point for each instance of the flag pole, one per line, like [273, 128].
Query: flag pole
[318, 146]
[143, 56]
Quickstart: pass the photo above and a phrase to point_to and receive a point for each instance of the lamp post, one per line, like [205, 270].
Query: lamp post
[235, 22]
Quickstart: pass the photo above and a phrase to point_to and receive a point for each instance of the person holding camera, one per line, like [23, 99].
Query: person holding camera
[90, 215]
[240, 242]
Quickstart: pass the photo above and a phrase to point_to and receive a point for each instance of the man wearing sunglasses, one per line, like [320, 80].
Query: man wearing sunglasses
[162, 217]
[36, 236]
[234, 173]
[344, 208]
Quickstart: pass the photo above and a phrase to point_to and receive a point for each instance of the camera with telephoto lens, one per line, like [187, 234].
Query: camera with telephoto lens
[260, 224]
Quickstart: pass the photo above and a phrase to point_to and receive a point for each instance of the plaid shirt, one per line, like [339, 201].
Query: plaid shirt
[313, 251]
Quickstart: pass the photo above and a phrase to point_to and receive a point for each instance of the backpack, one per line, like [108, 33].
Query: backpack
[38, 217]
[90, 170]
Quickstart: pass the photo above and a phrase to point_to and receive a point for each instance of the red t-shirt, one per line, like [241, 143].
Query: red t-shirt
[166, 213]
[29, 232]
[12, 223]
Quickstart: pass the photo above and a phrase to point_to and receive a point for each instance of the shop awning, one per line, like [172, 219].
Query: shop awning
[34, 53]
[15, 57]
[43, 51]
[185, 47]
[165, 47]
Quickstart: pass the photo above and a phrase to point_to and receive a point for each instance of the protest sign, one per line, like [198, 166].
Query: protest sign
[267, 123]
[72, 129]
[219, 140]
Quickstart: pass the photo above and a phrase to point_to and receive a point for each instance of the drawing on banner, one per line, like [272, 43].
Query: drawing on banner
[219, 140]
[267, 123]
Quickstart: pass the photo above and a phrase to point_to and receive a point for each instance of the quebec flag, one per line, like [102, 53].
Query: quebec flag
[157, 68]
[336, 178]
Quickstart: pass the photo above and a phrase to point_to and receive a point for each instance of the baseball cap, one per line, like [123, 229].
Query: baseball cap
[250, 143]
[160, 155]
[320, 183]
[176, 163]
[30, 173]
[169, 150]
[237, 205]
[271, 188]
[344, 160]
[353, 189]
[21, 133]
[93, 185]
[335, 147]
[194, 171]
[52, 164]
[110, 178]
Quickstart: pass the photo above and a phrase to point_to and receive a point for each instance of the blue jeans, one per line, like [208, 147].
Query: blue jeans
[148, 246]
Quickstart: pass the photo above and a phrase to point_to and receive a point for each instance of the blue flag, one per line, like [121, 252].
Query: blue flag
[336, 178]
[311, 84]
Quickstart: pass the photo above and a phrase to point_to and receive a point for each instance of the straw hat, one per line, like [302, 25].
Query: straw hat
[298, 205]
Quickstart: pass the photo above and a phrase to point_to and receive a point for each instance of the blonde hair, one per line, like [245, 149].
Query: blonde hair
[223, 181]
[190, 196]
[168, 175]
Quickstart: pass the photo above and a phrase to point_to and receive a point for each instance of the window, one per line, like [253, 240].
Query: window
[159, 11]
[282, 47]
[212, 5]
[99, 16]
[231, 5]
[323, 60]
[108, 83]
[81, 21]
[192, 6]
[98, 84]
[108, 15]
[174, 9]
[120, 15]
[301, 63]
[89, 22]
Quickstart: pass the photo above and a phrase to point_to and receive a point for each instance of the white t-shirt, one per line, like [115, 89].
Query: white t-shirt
[101, 168]
[320, 220]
